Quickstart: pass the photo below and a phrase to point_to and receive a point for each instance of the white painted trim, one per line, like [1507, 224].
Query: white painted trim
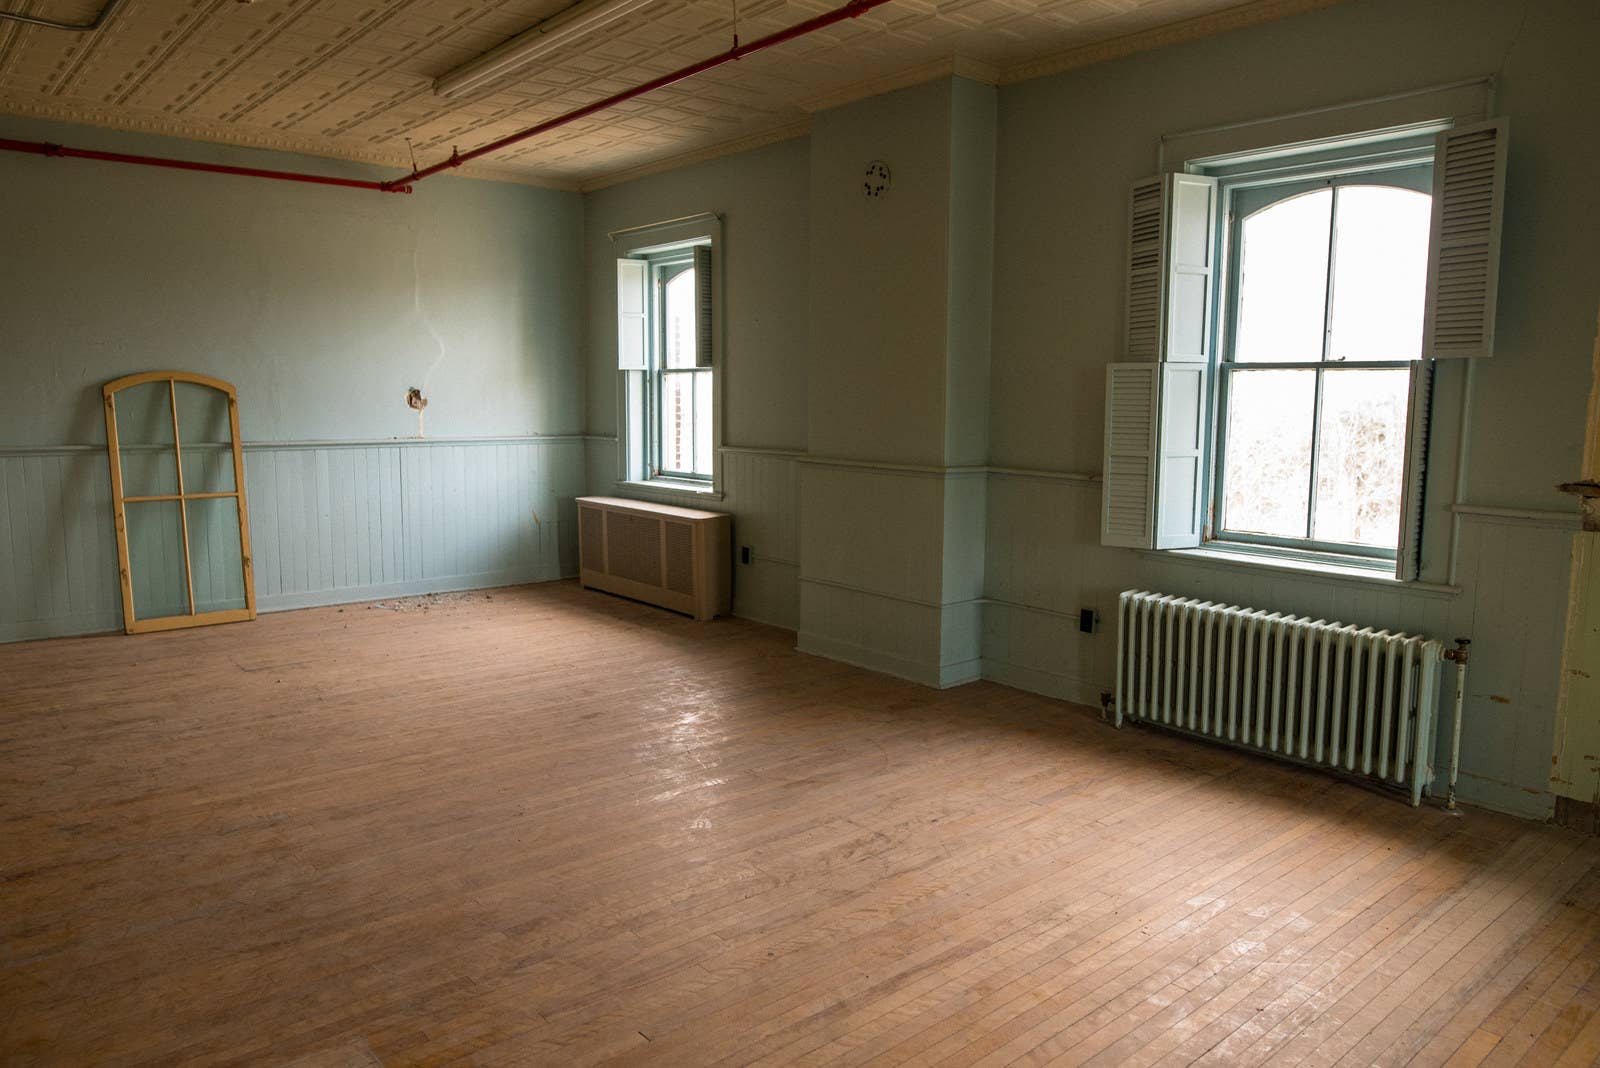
[933, 470]
[1085, 692]
[936, 606]
[332, 443]
[666, 489]
[1536, 516]
[952, 66]
[871, 659]
[73, 626]
[1192, 29]
[776, 135]
[1218, 558]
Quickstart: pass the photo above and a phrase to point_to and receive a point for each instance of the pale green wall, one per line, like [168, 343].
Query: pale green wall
[1070, 146]
[970, 281]
[878, 279]
[762, 198]
[322, 305]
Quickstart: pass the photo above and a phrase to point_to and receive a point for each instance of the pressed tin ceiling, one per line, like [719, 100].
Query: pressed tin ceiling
[352, 79]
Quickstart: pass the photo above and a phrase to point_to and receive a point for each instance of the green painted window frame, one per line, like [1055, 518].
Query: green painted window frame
[1406, 166]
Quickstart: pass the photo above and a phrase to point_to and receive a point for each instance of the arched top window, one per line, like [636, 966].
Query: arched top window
[177, 494]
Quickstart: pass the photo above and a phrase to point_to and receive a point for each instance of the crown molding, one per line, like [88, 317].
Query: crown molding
[1254, 13]
[950, 66]
[244, 137]
[787, 132]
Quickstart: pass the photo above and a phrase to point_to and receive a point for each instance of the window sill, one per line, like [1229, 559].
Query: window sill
[1338, 569]
[675, 487]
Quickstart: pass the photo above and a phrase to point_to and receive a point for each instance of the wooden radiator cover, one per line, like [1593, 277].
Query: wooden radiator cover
[678, 558]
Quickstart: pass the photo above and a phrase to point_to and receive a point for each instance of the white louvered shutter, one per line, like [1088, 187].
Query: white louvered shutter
[704, 318]
[1180, 475]
[1419, 416]
[1127, 498]
[1469, 178]
[1190, 262]
[633, 302]
[1168, 330]
[1191, 221]
[1142, 324]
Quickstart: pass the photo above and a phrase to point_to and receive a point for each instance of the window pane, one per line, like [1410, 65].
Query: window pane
[678, 340]
[216, 560]
[1360, 466]
[155, 557]
[207, 437]
[677, 422]
[1283, 280]
[1267, 476]
[1380, 271]
[702, 423]
[144, 440]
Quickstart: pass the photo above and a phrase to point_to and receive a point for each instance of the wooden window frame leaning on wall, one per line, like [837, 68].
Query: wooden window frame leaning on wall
[1163, 425]
[133, 623]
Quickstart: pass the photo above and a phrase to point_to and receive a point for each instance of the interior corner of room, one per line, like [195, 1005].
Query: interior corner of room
[882, 311]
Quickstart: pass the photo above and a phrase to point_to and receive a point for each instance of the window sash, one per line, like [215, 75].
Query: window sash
[663, 270]
[1254, 194]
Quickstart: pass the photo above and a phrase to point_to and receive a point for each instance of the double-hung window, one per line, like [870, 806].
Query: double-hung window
[666, 345]
[1323, 298]
[1284, 309]
[677, 388]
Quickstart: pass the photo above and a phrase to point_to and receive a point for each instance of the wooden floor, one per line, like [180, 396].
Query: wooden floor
[544, 826]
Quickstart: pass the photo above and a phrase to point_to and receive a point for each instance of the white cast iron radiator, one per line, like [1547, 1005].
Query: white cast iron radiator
[1351, 698]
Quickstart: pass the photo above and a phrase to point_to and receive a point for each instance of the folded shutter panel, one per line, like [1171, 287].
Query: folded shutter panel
[704, 320]
[1419, 416]
[1181, 441]
[1190, 275]
[1469, 177]
[633, 302]
[1142, 327]
[1127, 498]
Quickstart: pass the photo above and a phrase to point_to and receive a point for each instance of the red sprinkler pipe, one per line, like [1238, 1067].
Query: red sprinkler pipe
[43, 148]
[851, 10]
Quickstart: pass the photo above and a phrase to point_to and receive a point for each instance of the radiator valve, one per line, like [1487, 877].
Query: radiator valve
[1458, 655]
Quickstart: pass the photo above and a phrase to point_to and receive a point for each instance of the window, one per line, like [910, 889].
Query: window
[1285, 310]
[669, 391]
[1323, 316]
[677, 389]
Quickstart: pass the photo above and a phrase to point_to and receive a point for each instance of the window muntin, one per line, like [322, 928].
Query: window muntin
[1323, 316]
[679, 394]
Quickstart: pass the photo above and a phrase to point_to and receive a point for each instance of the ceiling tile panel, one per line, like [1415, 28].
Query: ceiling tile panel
[353, 78]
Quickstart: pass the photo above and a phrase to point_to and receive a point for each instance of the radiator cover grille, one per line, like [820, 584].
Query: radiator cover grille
[678, 558]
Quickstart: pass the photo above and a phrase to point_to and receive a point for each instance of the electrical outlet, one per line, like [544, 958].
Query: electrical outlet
[1088, 619]
[744, 554]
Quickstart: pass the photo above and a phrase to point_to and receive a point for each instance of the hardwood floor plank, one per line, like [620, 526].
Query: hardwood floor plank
[544, 826]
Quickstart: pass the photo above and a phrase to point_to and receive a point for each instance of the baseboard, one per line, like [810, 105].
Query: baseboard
[481, 580]
[872, 659]
[73, 626]
[960, 673]
[1049, 683]
[1575, 815]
